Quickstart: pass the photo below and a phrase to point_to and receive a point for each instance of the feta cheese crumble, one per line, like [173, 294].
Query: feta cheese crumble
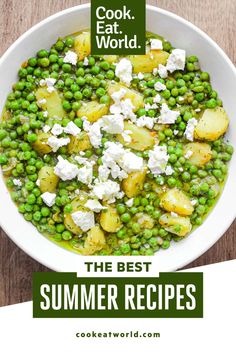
[157, 98]
[167, 115]
[85, 173]
[158, 159]
[94, 132]
[46, 128]
[108, 190]
[55, 143]
[162, 71]
[131, 162]
[130, 202]
[145, 121]
[169, 170]
[156, 44]
[49, 82]
[49, 198]
[94, 205]
[84, 219]
[17, 182]
[176, 60]
[72, 129]
[124, 107]
[124, 71]
[189, 131]
[41, 102]
[65, 170]
[86, 61]
[140, 76]
[188, 154]
[70, 57]
[126, 136]
[57, 129]
[159, 86]
[113, 124]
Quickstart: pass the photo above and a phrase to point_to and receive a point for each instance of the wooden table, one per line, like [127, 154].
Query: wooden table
[217, 18]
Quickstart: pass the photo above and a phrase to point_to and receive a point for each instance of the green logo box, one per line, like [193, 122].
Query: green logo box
[118, 27]
[171, 295]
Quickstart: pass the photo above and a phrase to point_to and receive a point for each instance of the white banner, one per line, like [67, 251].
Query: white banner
[215, 333]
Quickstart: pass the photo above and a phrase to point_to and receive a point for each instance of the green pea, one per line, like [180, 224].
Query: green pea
[125, 248]
[136, 228]
[205, 76]
[76, 106]
[66, 105]
[181, 126]
[37, 216]
[87, 92]
[165, 244]
[42, 53]
[32, 138]
[95, 69]
[121, 208]
[66, 235]
[200, 209]
[200, 97]
[190, 67]
[169, 84]
[29, 185]
[3, 159]
[217, 173]
[166, 94]
[186, 176]
[211, 103]
[66, 68]
[171, 181]
[125, 217]
[44, 62]
[69, 41]
[105, 99]
[3, 134]
[121, 234]
[144, 202]
[45, 211]
[187, 116]
[31, 199]
[28, 216]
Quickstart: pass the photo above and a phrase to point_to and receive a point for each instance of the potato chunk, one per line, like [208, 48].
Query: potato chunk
[141, 138]
[201, 153]
[78, 143]
[95, 241]
[146, 63]
[133, 184]
[135, 97]
[48, 179]
[176, 201]
[177, 225]
[92, 111]
[110, 220]
[212, 124]
[40, 145]
[110, 58]
[53, 103]
[83, 45]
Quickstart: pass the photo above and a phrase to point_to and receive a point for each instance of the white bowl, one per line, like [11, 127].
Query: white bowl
[181, 34]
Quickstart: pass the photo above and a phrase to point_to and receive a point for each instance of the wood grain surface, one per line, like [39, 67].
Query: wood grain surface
[215, 17]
